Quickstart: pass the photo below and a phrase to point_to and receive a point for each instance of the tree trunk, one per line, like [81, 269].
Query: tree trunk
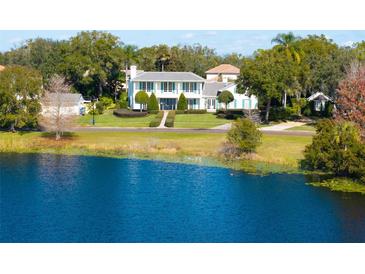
[284, 99]
[12, 127]
[140, 107]
[268, 105]
[58, 135]
[100, 89]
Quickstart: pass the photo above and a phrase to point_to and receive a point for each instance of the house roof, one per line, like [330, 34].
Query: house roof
[2, 68]
[168, 76]
[319, 96]
[67, 99]
[224, 68]
[212, 88]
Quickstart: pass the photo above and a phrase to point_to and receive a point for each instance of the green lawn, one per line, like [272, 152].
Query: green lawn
[107, 119]
[303, 128]
[207, 120]
[274, 150]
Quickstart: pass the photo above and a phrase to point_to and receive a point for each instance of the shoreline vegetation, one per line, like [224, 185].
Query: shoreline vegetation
[276, 154]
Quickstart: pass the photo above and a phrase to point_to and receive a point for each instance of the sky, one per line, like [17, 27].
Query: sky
[244, 42]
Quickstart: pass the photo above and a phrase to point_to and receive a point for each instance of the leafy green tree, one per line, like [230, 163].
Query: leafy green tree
[182, 104]
[266, 76]
[325, 64]
[234, 59]
[152, 104]
[94, 63]
[244, 135]
[147, 58]
[336, 148]
[225, 97]
[20, 90]
[123, 101]
[141, 98]
[44, 55]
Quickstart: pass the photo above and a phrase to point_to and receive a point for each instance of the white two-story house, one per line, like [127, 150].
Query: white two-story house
[200, 93]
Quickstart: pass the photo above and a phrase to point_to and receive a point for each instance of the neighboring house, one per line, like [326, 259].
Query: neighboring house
[320, 100]
[68, 103]
[223, 73]
[199, 92]
[240, 102]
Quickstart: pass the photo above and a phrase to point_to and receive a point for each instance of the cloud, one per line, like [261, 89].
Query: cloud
[188, 35]
[348, 43]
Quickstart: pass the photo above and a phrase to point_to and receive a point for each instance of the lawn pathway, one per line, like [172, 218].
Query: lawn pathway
[162, 124]
[282, 126]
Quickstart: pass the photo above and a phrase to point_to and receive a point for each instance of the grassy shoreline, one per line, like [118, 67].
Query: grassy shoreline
[276, 154]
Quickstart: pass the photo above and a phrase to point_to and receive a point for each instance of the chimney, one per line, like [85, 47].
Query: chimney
[133, 72]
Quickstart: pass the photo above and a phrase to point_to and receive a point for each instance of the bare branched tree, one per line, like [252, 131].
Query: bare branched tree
[56, 115]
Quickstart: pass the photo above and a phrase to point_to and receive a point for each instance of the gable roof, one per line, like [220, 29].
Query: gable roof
[168, 76]
[212, 88]
[2, 68]
[319, 96]
[224, 68]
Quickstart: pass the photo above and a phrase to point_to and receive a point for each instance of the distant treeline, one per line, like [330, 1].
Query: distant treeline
[92, 61]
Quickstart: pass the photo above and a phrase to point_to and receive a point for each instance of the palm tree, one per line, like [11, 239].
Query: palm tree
[163, 56]
[287, 42]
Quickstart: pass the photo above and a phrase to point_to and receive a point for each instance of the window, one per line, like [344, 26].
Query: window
[150, 86]
[147, 86]
[167, 86]
[189, 87]
[142, 85]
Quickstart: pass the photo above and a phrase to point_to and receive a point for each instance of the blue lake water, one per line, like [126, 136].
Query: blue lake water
[53, 198]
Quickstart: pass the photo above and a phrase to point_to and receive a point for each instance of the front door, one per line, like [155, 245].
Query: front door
[167, 104]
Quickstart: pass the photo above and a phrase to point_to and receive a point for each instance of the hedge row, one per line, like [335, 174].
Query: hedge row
[191, 111]
[170, 119]
[128, 113]
[157, 120]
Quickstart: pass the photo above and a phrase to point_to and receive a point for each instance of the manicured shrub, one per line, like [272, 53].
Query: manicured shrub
[170, 119]
[191, 111]
[230, 114]
[128, 113]
[336, 148]
[225, 97]
[182, 104]
[123, 101]
[244, 136]
[152, 104]
[157, 120]
[142, 99]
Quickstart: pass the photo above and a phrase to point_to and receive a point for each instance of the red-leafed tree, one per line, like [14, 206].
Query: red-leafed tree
[351, 97]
